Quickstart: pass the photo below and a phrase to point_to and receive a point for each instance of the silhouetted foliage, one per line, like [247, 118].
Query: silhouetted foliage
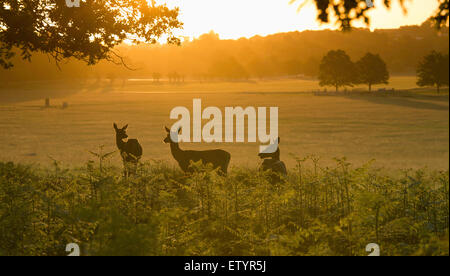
[284, 54]
[336, 69]
[319, 210]
[348, 11]
[88, 33]
[433, 70]
[5, 56]
[441, 15]
[371, 69]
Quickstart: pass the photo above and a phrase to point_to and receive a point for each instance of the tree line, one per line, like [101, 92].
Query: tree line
[338, 70]
[91, 32]
[209, 58]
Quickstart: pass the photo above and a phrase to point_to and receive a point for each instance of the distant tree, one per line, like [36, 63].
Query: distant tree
[111, 76]
[348, 11]
[88, 33]
[433, 70]
[174, 77]
[156, 76]
[371, 69]
[336, 69]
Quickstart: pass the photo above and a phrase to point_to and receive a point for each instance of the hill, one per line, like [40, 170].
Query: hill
[209, 57]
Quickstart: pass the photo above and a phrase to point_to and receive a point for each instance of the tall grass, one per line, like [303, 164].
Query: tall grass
[315, 211]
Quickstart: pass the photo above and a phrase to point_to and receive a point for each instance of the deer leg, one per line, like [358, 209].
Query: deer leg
[125, 169]
[131, 168]
[135, 167]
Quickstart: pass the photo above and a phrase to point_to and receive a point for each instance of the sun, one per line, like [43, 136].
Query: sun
[233, 19]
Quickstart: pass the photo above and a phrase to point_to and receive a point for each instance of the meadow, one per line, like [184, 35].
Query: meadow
[400, 129]
[362, 168]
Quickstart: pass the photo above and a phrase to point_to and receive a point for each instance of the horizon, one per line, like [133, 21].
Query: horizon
[216, 13]
[287, 32]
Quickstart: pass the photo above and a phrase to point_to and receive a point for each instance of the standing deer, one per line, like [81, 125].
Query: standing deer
[218, 158]
[273, 164]
[131, 150]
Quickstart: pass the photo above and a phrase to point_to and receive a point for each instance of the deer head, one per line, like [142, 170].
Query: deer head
[121, 133]
[170, 135]
[274, 155]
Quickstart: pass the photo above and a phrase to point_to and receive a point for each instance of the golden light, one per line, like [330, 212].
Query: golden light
[233, 19]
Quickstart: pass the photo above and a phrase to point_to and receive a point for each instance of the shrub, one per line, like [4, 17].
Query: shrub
[160, 211]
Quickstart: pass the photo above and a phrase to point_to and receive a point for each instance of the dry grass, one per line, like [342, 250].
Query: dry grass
[401, 131]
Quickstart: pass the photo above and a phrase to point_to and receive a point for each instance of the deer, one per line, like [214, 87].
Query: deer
[220, 159]
[131, 150]
[273, 164]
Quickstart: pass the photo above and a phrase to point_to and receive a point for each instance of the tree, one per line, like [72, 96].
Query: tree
[88, 33]
[442, 13]
[348, 11]
[156, 77]
[336, 69]
[371, 69]
[433, 70]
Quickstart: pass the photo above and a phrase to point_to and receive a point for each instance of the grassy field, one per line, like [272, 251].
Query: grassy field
[400, 130]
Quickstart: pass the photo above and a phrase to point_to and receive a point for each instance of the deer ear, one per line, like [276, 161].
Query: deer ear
[168, 130]
[115, 126]
[125, 127]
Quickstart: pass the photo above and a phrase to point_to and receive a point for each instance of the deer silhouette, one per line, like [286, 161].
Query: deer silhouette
[131, 150]
[218, 158]
[273, 164]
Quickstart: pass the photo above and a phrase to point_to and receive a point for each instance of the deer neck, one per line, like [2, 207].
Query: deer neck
[120, 143]
[276, 157]
[176, 151]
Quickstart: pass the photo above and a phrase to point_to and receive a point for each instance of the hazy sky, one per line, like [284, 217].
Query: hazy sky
[246, 18]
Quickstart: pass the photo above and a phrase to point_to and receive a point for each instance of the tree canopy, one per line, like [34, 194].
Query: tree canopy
[337, 69]
[88, 33]
[296, 54]
[371, 69]
[433, 70]
[348, 11]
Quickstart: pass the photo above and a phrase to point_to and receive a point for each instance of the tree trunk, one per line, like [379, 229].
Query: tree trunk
[370, 87]
[438, 88]
[337, 88]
